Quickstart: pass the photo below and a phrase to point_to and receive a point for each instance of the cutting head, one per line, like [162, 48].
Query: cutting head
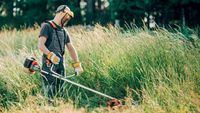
[114, 103]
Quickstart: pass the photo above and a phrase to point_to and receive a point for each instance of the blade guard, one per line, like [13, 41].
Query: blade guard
[114, 103]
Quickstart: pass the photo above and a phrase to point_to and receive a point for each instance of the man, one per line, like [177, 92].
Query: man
[52, 41]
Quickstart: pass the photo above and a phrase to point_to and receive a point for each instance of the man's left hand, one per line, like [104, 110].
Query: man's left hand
[77, 68]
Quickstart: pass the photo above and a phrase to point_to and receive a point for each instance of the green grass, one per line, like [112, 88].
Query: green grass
[159, 69]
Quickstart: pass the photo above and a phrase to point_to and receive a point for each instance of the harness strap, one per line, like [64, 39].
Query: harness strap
[55, 28]
[62, 51]
[52, 24]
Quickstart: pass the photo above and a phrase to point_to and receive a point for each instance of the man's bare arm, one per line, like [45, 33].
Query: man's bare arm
[72, 52]
[41, 45]
[77, 65]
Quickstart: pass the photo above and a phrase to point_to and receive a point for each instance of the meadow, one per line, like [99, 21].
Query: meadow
[157, 69]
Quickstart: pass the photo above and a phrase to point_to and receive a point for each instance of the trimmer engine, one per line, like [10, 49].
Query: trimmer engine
[31, 64]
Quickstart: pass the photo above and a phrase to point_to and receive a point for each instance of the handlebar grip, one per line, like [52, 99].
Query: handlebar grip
[76, 73]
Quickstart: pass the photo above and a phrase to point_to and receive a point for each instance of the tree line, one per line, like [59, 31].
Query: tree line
[16, 13]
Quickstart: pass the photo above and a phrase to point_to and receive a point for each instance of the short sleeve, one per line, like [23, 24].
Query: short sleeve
[67, 37]
[45, 30]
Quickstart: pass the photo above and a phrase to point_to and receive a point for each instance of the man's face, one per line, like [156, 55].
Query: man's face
[65, 16]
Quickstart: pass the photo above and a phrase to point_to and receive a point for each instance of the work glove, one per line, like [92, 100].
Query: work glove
[53, 58]
[77, 68]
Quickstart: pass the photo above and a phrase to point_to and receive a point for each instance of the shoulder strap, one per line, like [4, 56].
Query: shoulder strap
[55, 28]
[52, 24]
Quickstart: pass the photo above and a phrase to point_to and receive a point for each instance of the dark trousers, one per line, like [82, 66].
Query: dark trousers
[52, 86]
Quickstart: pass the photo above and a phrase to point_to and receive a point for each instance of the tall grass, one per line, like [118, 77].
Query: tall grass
[157, 69]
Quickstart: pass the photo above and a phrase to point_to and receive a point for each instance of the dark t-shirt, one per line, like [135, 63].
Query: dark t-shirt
[55, 41]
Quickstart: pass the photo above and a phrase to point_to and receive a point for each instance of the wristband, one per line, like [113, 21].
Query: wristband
[77, 64]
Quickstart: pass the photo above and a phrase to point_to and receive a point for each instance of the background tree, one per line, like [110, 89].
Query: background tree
[16, 13]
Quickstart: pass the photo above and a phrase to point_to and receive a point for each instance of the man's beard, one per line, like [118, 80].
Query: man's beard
[64, 22]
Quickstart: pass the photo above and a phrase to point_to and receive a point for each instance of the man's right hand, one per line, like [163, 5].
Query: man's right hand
[53, 58]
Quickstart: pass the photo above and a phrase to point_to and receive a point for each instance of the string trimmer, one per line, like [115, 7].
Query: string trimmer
[33, 66]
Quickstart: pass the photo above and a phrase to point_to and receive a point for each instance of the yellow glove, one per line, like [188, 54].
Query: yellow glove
[77, 68]
[53, 58]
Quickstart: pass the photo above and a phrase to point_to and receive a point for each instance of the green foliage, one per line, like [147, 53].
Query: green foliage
[127, 11]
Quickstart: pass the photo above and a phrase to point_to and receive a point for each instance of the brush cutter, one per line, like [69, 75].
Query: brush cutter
[33, 66]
